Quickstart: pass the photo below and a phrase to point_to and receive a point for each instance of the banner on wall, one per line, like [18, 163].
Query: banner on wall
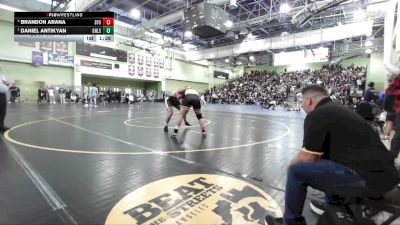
[131, 70]
[156, 62]
[61, 60]
[47, 47]
[98, 65]
[140, 70]
[161, 63]
[62, 48]
[131, 58]
[156, 72]
[140, 59]
[37, 58]
[148, 71]
[149, 60]
[27, 44]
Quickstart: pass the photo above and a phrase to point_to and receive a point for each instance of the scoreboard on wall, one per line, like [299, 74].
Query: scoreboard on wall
[64, 26]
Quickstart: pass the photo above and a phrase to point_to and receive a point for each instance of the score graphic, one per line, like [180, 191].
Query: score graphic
[64, 26]
[108, 25]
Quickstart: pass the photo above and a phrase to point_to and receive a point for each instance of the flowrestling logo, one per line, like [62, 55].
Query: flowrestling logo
[195, 199]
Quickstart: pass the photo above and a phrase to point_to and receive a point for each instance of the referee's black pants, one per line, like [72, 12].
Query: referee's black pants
[3, 109]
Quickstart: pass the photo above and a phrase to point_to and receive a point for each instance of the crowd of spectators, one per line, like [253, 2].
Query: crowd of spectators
[263, 87]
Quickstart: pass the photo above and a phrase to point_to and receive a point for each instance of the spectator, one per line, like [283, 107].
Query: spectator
[329, 157]
[51, 95]
[370, 94]
[4, 84]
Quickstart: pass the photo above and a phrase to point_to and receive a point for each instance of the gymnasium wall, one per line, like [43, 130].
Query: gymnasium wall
[113, 82]
[172, 85]
[28, 72]
[17, 60]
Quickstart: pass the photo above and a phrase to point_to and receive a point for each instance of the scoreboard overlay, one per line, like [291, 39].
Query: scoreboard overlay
[64, 26]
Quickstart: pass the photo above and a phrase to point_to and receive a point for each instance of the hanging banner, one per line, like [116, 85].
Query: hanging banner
[140, 70]
[149, 60]
[131, 70]
[61, 60]
[98, 65]
[161, 63]
[62, 48]
[148, 72]
[156, 62]
[140, 59]
[37, 58]
[47, 47]
[131, 58]
[27, 44]
[156, 72]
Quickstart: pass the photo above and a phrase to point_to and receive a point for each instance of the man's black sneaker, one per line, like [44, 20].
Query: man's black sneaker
[270, 220]
[317, 207]
[187, 124]
[4, 129]
[166, 128]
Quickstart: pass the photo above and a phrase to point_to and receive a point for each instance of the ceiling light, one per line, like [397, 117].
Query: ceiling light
[368, 51]
[284, 33]
[368, 43]
[251, 58]
[233, 4]
[227, 60]
[135, 13]
[285, 8]
[188, 33]
[229, 23]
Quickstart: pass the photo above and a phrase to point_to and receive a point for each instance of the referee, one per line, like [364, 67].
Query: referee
[4, 84]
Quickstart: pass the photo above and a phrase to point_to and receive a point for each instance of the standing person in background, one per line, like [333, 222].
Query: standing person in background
[93, 95]
[44, 94]
[4, 84]
[86, 94]
[394, 89]
[109, 94]
[203, 100]
[61, 93]
[13, 93]
[299, 100]
[51, 95]
[39, 96]
[371, 94]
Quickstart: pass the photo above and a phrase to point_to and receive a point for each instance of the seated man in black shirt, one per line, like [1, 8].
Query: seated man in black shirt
[339, 148]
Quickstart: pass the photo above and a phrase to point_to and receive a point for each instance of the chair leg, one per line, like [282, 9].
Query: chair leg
[391, 219]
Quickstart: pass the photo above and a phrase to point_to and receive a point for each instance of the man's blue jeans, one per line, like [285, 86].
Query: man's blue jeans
[322, 175]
